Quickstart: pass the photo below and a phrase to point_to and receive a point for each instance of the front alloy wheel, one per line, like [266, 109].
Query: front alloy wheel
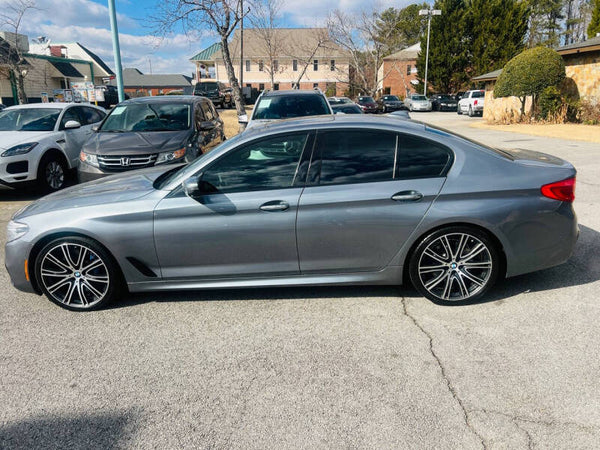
[454, 264]
[76, 273]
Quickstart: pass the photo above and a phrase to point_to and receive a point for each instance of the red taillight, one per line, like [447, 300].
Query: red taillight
[475, 102]
[561, 190]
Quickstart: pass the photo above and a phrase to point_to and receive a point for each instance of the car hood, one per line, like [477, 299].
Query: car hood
[392, 103]
[9, 139]
[135, 142]
[420, 102]
[114, 189]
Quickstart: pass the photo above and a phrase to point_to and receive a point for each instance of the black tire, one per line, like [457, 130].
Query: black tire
[439, 284]
[458, 111]
[52, 172]
[470, 111]
[87, 279]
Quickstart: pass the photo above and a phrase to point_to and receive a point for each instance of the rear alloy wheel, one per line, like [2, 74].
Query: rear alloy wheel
[470, 111]
[76, 273]
[458, 111]
[455, 264]
[52, 173]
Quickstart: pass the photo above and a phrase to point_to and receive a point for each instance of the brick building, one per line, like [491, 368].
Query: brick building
[397, 74]
[327, 65]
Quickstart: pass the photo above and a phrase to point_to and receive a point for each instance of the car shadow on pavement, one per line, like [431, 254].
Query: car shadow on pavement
[582, 268]
[105, 431]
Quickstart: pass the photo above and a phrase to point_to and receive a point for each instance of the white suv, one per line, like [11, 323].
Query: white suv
[471, 103]
[41, 142]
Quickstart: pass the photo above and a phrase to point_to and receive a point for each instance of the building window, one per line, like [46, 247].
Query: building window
[295, 65]
[408, 69]
[387, 90]
[316, 65]
[276, 87]
[275, 65]
[261, 87]
[247, 65]
[332, 65]
[261, 66]
[249, 85]
[315, 85]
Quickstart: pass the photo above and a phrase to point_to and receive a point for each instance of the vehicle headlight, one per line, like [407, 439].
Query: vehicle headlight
[88, 158]
[166, 157]
[15, 230]
[20, 149]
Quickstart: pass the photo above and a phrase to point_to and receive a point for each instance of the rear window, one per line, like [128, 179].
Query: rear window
[210, 86]
[285, 107]
[419, 97]
[356, 156]
[478, 94]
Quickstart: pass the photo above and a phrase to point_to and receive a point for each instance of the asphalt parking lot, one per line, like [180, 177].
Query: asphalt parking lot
[337, 367]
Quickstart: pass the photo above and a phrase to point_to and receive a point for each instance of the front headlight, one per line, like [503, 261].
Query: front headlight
[20, 149]
[170, 156]
[15, 230]
[88, 158]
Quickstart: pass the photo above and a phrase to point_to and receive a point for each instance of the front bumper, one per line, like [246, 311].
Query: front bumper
[416, 107]
[86, 172]
[19, 169]
[16, 253]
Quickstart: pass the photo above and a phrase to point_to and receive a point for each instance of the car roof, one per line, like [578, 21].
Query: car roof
[56, 105]
[335, 121]
[163, 99]
[291, 92]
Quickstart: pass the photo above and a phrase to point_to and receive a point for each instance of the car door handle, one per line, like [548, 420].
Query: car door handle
[276, 205]
[407, 196]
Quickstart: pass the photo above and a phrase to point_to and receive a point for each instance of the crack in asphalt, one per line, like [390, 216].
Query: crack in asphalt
[527, 433]
[453, 392]
[547, 423]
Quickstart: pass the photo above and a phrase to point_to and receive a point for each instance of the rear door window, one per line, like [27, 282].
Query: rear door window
[91, 115]
[421, 158]
[355, 156]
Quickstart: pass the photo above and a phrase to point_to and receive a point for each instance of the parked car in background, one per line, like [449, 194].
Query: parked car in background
[216, 91]
[443, 102]
[346, 108]
[40, 142]
[471, 103]
[417, 102]
[339, 100]
[287, 104]
[367, 104]
[111, 96]
[2, 106]
[148, 131]
[458, 95]
[379, 196]
[390, 103]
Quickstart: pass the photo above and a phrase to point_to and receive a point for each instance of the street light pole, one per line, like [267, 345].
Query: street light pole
[428, 13]
[242, 46]
[116, 48]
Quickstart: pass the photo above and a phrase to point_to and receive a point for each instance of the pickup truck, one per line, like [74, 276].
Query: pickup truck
[471, 103]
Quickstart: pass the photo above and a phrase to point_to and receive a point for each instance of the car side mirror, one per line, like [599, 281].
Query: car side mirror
[72, 125]
[243, 118]
[191, 186]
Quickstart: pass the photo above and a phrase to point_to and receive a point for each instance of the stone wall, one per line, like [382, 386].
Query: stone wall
[500, 110]
[584, 69]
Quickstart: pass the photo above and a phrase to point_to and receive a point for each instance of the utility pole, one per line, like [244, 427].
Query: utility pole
[429, 13]
[242, 48]
[116, 48]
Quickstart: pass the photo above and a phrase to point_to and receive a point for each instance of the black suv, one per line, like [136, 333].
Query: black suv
[111, 96]
[216, 91]
[148, 131]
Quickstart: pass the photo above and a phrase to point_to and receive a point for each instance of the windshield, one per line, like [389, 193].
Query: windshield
[148, 117]
[445, 97]
[419, 97]
[180, 173]
[285, 107]
[391, 98]
[29, 119]
[366, 99]
[210, 86]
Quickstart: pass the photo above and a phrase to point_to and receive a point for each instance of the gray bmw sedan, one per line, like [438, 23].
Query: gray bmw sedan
[324, 200]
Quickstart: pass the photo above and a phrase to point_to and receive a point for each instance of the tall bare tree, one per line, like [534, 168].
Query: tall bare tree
[12, 62]
[219, 16]
[265, 17]
[361, 38]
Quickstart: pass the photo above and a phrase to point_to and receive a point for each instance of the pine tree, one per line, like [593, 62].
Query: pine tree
[497, 29]
[594, 26]
[448, 48]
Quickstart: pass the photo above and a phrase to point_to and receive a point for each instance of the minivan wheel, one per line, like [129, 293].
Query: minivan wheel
[455, 264]
[76, 273]
[52, 173]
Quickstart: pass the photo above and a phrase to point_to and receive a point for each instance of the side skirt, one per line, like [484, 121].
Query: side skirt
[391, 275]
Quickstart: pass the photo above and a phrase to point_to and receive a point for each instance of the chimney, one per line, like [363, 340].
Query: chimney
[60, 51]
